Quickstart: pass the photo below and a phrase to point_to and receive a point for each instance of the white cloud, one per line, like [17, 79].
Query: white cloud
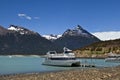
[36, 18]
[110, 35]
[24, 16]
[21, 15]
[28, 17]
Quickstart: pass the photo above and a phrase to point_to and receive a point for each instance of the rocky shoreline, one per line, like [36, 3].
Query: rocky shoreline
[83, 74]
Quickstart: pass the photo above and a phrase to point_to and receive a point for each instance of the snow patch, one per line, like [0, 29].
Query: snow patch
[22, 33]
[12, 28]
[15, 29]
[110, 35]
[52, 37]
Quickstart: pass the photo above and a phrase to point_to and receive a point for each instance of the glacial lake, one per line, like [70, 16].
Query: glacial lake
[31, 64]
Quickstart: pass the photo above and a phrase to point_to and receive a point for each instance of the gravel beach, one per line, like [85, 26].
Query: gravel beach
[84, 74]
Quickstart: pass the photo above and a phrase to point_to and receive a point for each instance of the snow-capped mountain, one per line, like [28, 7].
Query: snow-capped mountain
[76, 38]
[77, 31]
[52, 37]
[21, 30]
[19, 40]
[15, 28]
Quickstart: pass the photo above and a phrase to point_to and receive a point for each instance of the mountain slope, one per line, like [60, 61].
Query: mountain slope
[19, 40]
[76, 38]
[99, 49]
[3, 31]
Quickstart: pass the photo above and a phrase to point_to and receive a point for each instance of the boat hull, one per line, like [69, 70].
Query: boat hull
[67, 63]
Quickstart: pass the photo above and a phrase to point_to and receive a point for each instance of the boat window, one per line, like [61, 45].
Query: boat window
[67, 51]
[52, 52]
[62, 58]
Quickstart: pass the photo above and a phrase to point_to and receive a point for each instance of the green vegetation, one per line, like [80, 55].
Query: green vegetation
[100, 48]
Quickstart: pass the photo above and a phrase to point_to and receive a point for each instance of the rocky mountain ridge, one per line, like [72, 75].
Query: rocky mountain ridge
[77, 31]
[19, 40]
[76, 38]
[51, 37]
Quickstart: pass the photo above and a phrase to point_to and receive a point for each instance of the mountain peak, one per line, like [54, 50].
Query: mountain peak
[16, 28]
[77, 31]
[76, 38]
[21, 30]
[78, 27]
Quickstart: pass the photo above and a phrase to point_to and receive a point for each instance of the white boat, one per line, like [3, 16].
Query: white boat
[67, 58]
[112, 57]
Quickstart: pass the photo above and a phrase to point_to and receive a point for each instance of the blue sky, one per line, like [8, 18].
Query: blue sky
[55, 16]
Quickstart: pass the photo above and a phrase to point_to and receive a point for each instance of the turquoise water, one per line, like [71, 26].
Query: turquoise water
[30, 64]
